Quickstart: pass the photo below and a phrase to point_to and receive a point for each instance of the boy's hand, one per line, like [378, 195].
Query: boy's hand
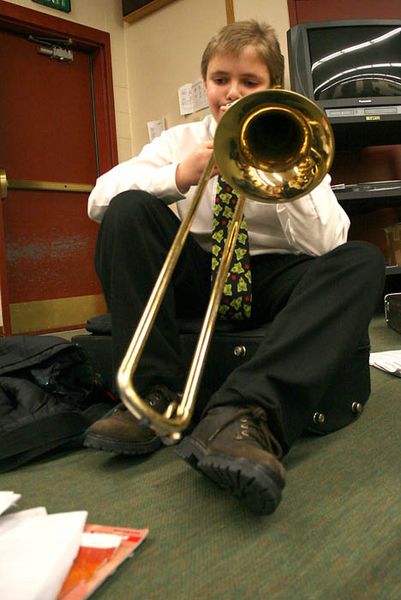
[189, 171]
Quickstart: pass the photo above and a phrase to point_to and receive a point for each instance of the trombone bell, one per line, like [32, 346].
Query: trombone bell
[271, 146]
[274, 146]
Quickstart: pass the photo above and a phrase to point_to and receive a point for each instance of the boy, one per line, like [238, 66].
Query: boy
[317, 290]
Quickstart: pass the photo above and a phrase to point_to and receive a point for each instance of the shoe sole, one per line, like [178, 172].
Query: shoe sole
[99, 442]
[256, 486]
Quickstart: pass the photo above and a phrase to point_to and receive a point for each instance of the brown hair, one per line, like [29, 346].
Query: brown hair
[235, 36]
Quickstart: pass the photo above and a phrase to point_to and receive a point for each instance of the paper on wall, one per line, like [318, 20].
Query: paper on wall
[192, 97]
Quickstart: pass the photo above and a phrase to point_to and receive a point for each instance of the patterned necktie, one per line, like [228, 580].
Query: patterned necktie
[237, 292]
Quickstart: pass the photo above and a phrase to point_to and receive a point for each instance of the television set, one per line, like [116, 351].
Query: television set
[352, 70]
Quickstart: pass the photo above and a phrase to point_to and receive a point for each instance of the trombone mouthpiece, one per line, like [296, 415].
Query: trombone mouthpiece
[229, 104]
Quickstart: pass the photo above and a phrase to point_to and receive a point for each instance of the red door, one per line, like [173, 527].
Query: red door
[48, 150]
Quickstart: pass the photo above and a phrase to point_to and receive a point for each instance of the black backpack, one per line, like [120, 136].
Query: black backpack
[49, 396]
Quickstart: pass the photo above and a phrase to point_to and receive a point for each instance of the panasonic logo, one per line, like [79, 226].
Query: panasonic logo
[363, 101]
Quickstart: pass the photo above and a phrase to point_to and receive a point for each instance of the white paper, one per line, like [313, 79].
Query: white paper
[192, 97]
[389, 361]
[37, 551]
[199, 95]
[100, 540]
[8, 499]
[155, 128]
[186, 99]
[12, 520]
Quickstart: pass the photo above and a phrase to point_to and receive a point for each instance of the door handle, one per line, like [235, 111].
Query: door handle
[44, 186]
[3, 184]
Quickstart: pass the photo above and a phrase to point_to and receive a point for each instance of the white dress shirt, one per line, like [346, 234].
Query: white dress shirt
[313, 224]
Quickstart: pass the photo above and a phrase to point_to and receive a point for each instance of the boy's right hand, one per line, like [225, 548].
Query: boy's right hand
[190, 170]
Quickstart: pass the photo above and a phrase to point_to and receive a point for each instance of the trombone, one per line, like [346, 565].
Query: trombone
[271, 146]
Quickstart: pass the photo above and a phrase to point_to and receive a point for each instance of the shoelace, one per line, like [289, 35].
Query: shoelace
[257, 428]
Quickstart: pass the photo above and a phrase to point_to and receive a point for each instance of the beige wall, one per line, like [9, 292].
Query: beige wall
[273, 12]
[164, 51]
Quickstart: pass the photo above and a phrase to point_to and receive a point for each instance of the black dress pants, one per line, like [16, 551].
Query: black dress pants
[319, 309]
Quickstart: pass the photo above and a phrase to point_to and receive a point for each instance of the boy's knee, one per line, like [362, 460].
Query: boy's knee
[128, 202]
[370, 268]
[369, 254]
[130, 209]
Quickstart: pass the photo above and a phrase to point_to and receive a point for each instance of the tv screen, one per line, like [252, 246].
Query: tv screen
[352, 70]
[350, 62]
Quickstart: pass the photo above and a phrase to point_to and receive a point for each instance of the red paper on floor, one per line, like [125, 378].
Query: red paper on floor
[103, 549]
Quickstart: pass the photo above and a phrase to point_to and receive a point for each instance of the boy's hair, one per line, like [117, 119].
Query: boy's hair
[235, 36]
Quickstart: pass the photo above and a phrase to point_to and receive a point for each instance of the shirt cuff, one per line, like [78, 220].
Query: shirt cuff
[164, 184]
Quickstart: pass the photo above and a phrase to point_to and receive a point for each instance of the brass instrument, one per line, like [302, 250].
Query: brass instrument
[270, 146]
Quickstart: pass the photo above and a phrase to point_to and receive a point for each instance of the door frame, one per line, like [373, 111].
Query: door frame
[25, 20]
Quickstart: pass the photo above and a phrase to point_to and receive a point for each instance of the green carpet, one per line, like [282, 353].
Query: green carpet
[335, 536]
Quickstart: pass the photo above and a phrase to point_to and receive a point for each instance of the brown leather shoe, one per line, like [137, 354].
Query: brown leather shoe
[121, 432]
[234, 447]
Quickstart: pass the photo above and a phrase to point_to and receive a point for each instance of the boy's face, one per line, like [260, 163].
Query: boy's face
[229, 77]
